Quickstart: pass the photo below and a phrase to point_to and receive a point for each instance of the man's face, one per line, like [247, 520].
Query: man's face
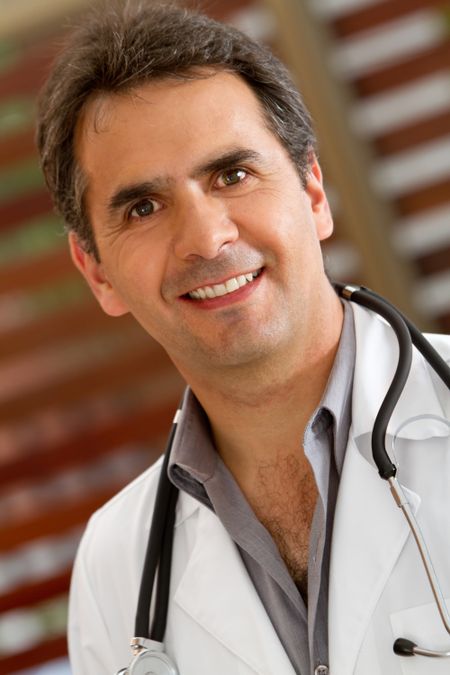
[204, 230]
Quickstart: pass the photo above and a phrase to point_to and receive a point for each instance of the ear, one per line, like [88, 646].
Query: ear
[92, 270]
[319, 202]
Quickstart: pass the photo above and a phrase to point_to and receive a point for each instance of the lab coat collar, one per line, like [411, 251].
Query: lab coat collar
[186, 507]
[376, 361]
[217, 593]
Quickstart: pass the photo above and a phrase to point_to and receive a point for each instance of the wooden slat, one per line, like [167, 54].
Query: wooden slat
[31, 273]
[34, 592]
[144, 425]
[21, 209]
[444, 323]
[26, 20]
[17, 147]
[397, 74]
[139, 362]
[222, 11]
[381, 12]
[67, 325]
[52, 522]
[346, 161]
[438, 261]
[413, 134]
[28, 74]
[424, 198]
[41, 653]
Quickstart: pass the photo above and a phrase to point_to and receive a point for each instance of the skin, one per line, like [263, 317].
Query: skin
[226, 200]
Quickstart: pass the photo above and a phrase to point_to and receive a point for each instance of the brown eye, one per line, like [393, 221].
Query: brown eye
[145, 208]
[232, 177]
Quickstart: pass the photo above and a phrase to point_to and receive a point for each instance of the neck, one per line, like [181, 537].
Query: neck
[258, 413]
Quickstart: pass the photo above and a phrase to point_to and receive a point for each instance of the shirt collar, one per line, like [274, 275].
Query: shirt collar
[193, 452]
[335, 406]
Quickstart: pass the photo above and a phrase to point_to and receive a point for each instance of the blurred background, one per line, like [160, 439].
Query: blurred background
[85, 400]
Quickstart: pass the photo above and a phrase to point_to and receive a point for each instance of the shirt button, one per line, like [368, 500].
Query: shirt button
[321, 670]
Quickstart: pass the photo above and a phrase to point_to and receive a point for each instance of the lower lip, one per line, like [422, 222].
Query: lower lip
[229, 298]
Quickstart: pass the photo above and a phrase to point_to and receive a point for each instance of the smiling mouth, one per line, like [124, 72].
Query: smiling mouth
[228, 286]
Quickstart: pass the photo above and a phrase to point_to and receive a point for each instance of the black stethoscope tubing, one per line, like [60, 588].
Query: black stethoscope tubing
[407, 335]
[158, 556]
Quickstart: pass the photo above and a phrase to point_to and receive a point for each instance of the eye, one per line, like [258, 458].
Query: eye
[144, 208]
[231, 177]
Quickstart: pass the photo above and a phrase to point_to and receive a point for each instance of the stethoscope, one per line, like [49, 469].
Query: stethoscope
[149, 657]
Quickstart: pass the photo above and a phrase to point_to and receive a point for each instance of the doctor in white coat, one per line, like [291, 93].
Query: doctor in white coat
[195, 201]
[378, 587]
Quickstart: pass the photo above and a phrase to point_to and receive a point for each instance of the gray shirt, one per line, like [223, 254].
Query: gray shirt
[198, 469]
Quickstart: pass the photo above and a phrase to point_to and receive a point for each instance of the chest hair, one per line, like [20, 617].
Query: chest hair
[284, 500]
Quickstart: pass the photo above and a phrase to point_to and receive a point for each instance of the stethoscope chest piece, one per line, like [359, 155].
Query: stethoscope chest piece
[149, 662]
[149, 659]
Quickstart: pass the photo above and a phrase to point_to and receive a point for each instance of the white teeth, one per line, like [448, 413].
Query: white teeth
[232, 285]
[217, 290]
[241, 280]
[220, 289]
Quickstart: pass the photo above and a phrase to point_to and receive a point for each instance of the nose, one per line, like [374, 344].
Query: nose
[203, 227]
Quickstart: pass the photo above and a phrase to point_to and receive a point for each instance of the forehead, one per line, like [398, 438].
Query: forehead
[201, 86]
[170, 112]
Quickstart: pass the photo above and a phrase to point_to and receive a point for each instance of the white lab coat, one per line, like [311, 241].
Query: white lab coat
[378, 590]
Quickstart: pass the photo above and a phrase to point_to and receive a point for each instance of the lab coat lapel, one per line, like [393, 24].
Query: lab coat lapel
[368, 536]
[369, 532]
[218, 594]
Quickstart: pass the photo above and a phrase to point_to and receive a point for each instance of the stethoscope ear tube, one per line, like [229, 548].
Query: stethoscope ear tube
[160, 540]
[366, 298]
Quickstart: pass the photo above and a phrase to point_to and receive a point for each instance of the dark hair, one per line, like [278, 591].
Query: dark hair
[121, 47]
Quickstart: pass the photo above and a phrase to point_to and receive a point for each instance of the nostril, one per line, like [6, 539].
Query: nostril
[205, 241]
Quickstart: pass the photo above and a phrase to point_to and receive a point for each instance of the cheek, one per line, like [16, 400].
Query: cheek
[132, 280]
[289, 226]
[138, 263]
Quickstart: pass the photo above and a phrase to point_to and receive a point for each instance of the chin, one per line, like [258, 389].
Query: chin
[246, 350]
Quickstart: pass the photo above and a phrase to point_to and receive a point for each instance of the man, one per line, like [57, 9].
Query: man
[182, 159]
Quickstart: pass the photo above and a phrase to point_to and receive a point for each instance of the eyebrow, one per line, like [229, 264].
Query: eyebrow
[232, 158]
[135, 191]
[130, 193]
